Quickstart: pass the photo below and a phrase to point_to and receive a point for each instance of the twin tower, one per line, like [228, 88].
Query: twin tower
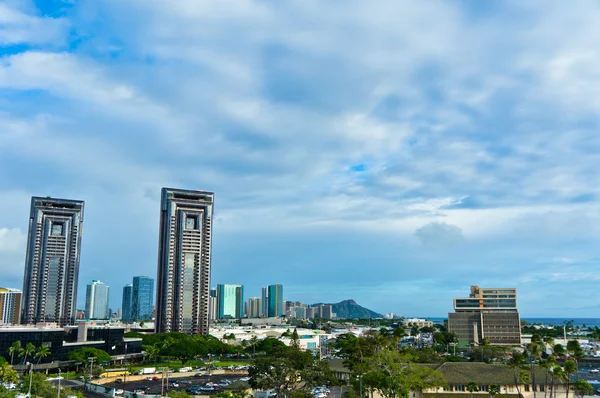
[184, 254]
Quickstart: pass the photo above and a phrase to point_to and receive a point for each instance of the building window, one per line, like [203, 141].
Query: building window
[526, 387]
[459, 388]
[483, 388]
[191, 222]
[541, 387]
[56, 230]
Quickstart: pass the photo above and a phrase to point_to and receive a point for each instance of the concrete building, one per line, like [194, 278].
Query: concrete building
[52, 261]
[96, 301]
[312, 312]
[230, 301]
[142, 297]
[254, 307]
[184, 259]
[325, 311]
[126, 304]
[487, 313]
[275, 300]
[212, 305]
[418, 322]
[299, 312]
[10, 306]
[265, 302]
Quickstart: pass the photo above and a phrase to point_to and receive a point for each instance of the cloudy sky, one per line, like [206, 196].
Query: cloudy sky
[394, 152]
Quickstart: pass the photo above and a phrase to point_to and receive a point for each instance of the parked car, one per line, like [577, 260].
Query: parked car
[118, 380]
[119, 391]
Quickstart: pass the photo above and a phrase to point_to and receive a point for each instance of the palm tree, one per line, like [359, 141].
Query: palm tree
[472, 387]
[28, 350]
[15, 348]
[558, 373]
[519, 366]
[535, 351]
[569, 369]
[42, 352]
[559, 350]
[494, 390]
[549, 365]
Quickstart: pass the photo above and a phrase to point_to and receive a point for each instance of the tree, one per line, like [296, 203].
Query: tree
[494, 390]
[295, 338]
[287, 369]
[152, 351]
[393, 375]
[549, 364]
[182, 347]
[520, 375]
[582, 387]
[82, 355]
[8, 374]
[535, 351]
[42, 352]
[569, 368]
[559, 350]
[472, 387]
[15, 348]
[28, 350]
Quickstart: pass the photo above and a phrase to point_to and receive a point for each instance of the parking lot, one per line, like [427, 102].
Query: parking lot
[177, 383]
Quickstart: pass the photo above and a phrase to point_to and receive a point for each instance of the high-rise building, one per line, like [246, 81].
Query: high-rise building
[212, 305]
[230, 301]
[126, 304]
[299, 312]
[10, 305]
[325, 311]
[254, 307]
[487, 313]
[184, 250]
[275, 299]
[311, 312]
[96, 301]
[141, 298]
[52, 261]
[264, 311]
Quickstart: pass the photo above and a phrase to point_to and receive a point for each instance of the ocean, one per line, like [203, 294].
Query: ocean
[547, 321]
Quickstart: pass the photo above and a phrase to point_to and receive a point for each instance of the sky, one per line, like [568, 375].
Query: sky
[392, 152]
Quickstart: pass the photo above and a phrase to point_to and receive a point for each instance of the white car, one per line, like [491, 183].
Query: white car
[55, 378]
[9, 386]
[119, 392]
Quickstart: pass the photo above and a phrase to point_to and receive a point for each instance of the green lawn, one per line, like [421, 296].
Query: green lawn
[231, 363]
[66, 375]
[194, 364]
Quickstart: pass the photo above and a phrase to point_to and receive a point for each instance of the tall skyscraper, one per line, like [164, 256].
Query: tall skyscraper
[96, 301]
[126, 304]
[230, 301]
[52, 261]
[275, 298]
[254, 307]
[212, 305]
[10, 305]
[184, 250]
[487, 313]
[265, 302]
[141, 298]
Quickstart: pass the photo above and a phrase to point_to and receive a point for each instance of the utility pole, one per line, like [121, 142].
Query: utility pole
[59, 377]
[91, 359]
[30, 378]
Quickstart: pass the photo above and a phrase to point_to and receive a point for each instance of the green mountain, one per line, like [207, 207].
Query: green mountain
[349, 309]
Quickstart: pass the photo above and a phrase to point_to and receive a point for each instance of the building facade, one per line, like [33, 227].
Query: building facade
[96, 301]
[126, 304]
[489, 313]
[230, 301]
[52, 261]
[184, 258]
[10, 305]
[142, 296]
[275, 300]
[264, 302]
[254, 307]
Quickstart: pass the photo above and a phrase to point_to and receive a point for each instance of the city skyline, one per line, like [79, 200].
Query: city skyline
[401, 148]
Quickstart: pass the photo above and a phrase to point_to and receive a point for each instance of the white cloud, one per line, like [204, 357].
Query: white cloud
[18, 27]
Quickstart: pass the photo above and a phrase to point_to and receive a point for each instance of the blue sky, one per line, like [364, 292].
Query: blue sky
[394, 152]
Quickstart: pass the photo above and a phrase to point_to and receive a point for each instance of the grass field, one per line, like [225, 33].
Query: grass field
[175, 364]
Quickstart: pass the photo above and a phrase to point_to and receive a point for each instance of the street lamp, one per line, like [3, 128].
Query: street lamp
[30, 365]
[59, 377]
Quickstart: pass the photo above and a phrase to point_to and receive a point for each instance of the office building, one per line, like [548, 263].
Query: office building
[254, 307]
[487, 313]
[230, 301]
[312, 312]
[184, 255]
[264, 302]
[275, 299]
[212, 305]
[96, 301]
[299, 312]
[325, 311]
[142, 296]
[10, 305]
[126, 304]
[52, 261]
